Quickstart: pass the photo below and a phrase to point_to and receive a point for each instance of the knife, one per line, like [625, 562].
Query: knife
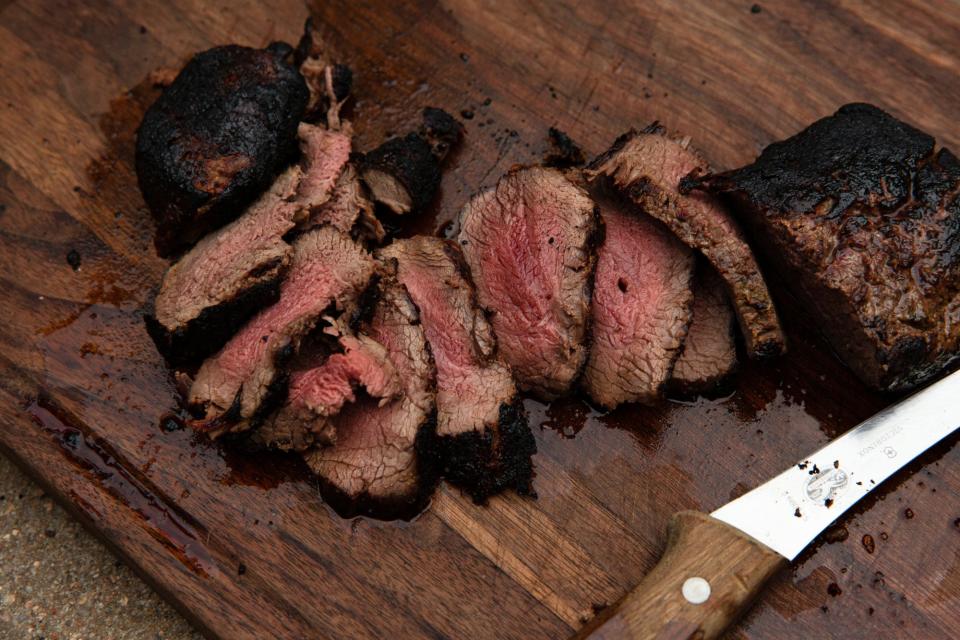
[714, 565]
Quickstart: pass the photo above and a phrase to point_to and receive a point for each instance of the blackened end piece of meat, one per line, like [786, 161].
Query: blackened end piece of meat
[647, 167]
[374, 466]
[483, 441]
[531, 244]
[860, 215]
[225, 278]
[403, 173]
[441, 130]
[236, 388]
[709, 355]
[564, 152]
[216, 137]
[641, 309]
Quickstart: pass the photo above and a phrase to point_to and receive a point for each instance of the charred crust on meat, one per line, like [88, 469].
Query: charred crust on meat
[485, 463]
[614, 149]
[213, 327]
[342, 77]
[366, 304]
[403, 173]
[441, 130]
[215, 138]
[884, 199]
[564, 152]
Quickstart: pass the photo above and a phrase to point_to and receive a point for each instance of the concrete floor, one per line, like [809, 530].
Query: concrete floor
[57, 582]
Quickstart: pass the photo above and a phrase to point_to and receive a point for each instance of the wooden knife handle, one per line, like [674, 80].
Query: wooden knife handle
[707, 577]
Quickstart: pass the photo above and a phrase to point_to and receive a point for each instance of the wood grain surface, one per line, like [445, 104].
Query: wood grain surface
[245, 547]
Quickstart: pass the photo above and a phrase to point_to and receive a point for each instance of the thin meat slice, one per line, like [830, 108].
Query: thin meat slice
[320, 391]
[374, 466]
[348, 209]
[325, 154]
[709, 354]
[484, 441]
[531, 244]
[223, 280]
[237, 387]
[641, 310]
[647, 167]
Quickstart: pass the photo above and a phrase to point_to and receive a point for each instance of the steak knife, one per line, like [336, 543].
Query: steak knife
[714, 565]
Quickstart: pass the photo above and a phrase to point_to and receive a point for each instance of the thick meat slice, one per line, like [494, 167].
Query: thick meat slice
[320, 391]
[236, 388]
[374, 466]
[531, 243]
[641, 310]
[325, 155]
[647, 167]
[859, 214]
[709, 353]
[484, 440]
[348, 209]
[223, 280]
[215, 138]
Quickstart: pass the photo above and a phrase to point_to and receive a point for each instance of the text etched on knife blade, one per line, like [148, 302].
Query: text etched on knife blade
[873, 446]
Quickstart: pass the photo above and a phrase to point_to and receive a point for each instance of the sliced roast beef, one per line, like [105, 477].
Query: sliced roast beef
[373, 465]
[531, 244]
[223, 280]
[321, 389]
[484, 440]
[709, 353]
[642, 297]
[348, 209]
[325, 153]
[234, 271]
[647, 167]
[859, 214]
[215, 138]
[403, 173]
[236, 388]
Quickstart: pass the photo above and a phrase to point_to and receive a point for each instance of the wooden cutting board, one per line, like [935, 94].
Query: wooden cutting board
[244, 546]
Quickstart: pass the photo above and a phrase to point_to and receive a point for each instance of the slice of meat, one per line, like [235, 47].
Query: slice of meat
[325, 155]
[374, 465]
[647, 167]
[859, 214]
[236, 388]
[484, 441]
[709, 353]
[223, 280]
[348, 209]
[403, 173]
[320, 391]
[531, 243]
[642, 298]
[215, 138]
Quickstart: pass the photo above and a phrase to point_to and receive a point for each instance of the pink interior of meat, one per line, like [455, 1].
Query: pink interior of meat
[325, 153]
[520, 239]
[323, 266]
[325, 389]
[470, 388]
[631, 279]
[224, 257]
